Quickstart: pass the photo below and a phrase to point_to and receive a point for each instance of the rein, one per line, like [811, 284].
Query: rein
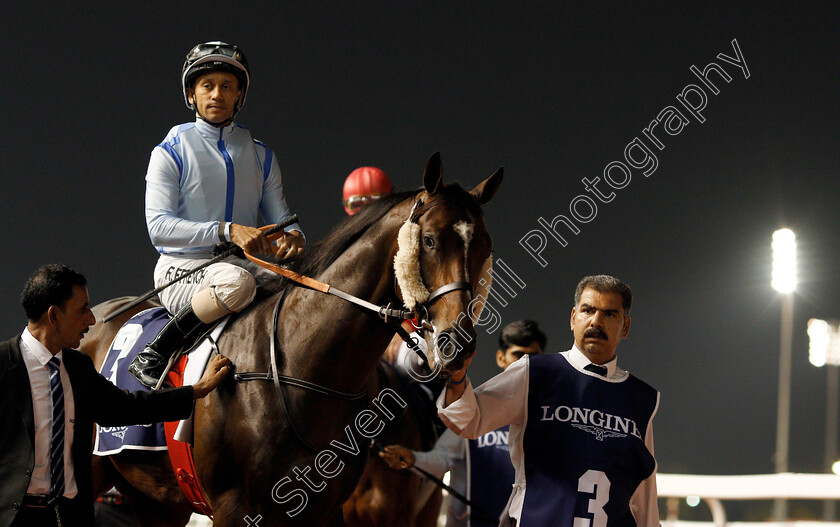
[384, 312]
[226, 252]
[478, 511]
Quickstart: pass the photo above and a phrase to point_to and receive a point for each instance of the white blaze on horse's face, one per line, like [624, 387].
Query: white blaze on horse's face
[441, 351]
[432, 348]
[465, 231]
[453, 229]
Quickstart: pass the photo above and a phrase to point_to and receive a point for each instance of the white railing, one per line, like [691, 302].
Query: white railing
[714, 489]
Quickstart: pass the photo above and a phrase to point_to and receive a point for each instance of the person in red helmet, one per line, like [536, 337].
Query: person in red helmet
[364, 185]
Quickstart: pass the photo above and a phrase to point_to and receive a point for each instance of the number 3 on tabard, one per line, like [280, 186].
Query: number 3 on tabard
[597, 482]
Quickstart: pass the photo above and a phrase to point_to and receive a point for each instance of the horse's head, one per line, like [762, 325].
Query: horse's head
[443, 248]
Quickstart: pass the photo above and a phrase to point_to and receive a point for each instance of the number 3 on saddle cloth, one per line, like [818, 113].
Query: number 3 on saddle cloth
[131, 339]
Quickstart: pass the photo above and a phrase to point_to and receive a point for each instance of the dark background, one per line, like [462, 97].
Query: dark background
[551, 91]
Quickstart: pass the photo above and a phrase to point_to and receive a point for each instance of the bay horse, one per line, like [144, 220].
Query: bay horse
[292, 459]
[386, 497]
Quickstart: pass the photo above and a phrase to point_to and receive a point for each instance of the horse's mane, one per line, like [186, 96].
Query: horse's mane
[315, 259]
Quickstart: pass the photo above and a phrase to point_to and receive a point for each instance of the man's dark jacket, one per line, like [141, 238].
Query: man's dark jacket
[96, 401]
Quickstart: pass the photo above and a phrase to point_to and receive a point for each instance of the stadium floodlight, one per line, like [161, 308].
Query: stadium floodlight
[784, 261]
[819, 339]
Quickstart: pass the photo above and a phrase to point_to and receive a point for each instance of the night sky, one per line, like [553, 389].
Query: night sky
[554, 93]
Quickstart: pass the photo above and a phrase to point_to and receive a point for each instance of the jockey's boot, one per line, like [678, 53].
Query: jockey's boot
[182, 330]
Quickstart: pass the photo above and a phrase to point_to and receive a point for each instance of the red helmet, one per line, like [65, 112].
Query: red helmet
[363, 185]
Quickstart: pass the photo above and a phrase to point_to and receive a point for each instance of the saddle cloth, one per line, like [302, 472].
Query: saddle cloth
[130, 340]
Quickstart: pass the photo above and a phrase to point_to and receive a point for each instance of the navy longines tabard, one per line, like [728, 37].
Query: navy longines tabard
[491, 476]
[584, 446]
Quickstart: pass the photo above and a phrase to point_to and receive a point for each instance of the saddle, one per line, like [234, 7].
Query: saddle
[176, 436]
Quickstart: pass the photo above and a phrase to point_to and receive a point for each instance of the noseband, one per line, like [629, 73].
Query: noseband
[384, 312]
[421, 311]
[407, 275]
[448, 288]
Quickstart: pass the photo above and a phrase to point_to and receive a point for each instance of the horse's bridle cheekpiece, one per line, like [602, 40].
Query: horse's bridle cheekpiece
[415, 296]
[407, 269]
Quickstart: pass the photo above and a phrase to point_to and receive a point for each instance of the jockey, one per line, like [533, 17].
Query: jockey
[364, 185]
[208, 182]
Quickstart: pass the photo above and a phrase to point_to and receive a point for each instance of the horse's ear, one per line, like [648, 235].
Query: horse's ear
[433, 176]
[485, 190]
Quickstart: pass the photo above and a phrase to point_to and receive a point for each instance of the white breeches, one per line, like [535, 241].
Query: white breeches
[213, 292]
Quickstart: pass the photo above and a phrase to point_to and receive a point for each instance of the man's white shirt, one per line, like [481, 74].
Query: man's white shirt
[36, 357]
[504, 400]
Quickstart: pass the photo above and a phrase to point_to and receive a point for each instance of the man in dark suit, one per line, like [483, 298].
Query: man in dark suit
[50, 397]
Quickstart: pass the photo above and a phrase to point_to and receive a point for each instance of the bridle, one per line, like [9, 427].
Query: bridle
[386, 313]
[443, 290]
[421, 307]
[420, 313]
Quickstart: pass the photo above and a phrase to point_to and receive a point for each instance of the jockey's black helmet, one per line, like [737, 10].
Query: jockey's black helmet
[215, 56]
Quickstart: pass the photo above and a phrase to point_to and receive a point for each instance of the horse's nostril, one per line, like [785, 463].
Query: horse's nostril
[467, 348]
[450, 346]
[447, 345]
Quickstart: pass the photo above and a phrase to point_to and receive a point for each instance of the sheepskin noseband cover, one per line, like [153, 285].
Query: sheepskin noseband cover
[407, 265]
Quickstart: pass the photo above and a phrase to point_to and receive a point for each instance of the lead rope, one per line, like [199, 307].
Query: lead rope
[475, 509]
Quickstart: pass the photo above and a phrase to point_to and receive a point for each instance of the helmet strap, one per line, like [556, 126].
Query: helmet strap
[211, 123]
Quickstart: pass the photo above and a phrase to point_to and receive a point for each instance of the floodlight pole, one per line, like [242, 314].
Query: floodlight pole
[783, 408]
[832, 390]
[784, 282]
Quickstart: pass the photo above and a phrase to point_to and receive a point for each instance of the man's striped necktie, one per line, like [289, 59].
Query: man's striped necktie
[57, 443]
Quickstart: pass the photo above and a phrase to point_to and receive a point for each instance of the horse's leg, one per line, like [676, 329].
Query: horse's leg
[151, 513]
[230, 509]
[353, 509]
[104, 475]
[150, 485]
[337, 520]
[428, 515]
[151, 473]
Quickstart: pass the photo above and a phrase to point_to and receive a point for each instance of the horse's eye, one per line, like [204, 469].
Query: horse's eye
[429, 242]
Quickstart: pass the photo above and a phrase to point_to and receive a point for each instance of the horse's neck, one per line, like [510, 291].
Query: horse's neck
[366, 269]
[335, 338]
